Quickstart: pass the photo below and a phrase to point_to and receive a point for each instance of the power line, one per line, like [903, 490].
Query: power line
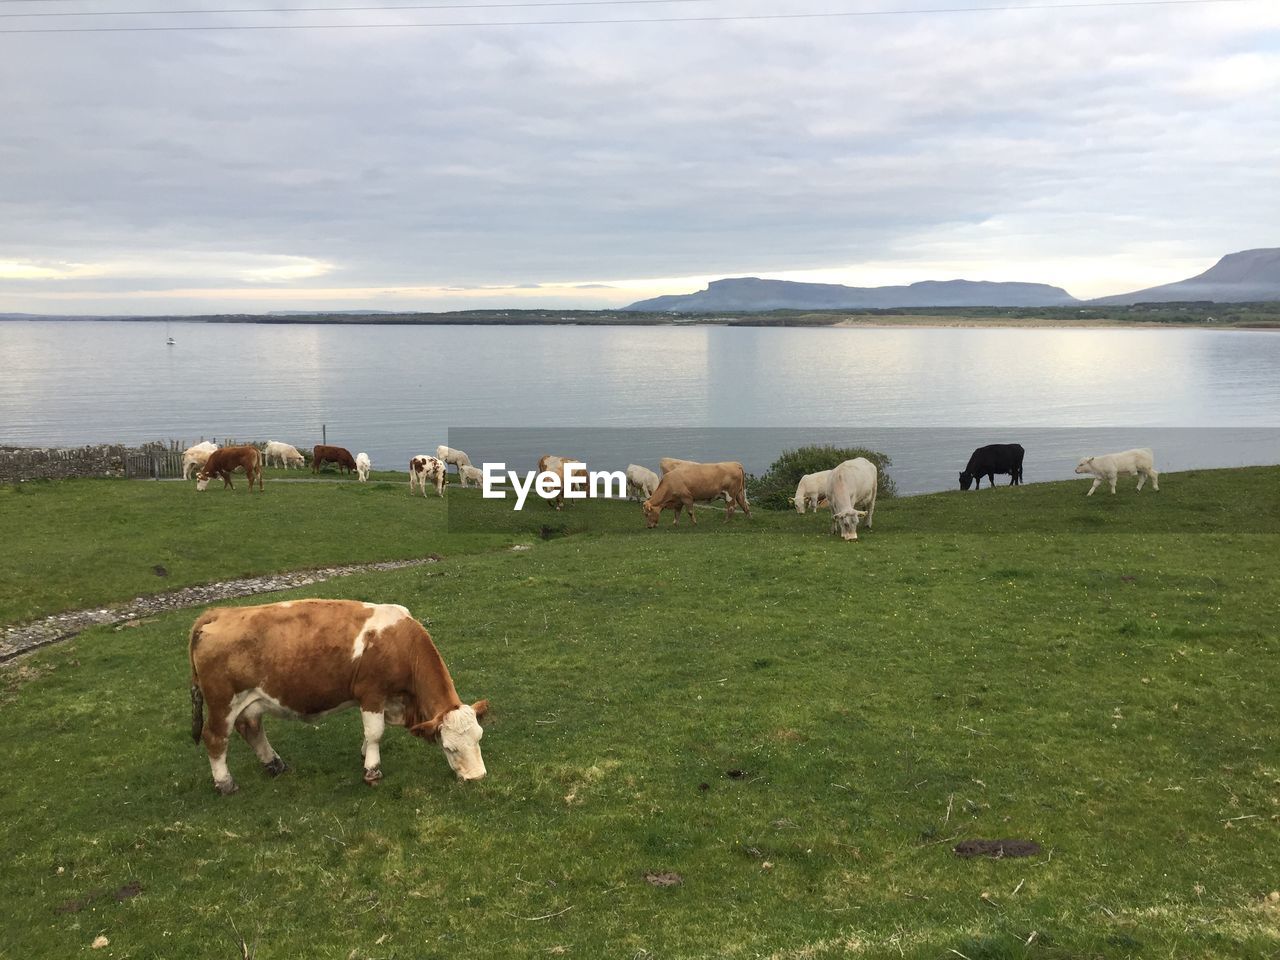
[639, 20]
[417, 6]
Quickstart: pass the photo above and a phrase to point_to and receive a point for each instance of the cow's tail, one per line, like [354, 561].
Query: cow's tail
[197, 695]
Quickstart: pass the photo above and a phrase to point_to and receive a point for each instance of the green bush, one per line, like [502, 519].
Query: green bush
[774, 488]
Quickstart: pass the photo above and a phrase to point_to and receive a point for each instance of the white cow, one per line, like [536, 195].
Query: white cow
[450, 455]
[812, 489]
[852, 485]
[471, 475]
[1139, 461]
[196, 457]
[286, 454]
[423, 468]
[363, 465]
[641, 481]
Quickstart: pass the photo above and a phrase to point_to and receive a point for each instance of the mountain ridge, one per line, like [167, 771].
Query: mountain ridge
[754, 293]
[1241, 277]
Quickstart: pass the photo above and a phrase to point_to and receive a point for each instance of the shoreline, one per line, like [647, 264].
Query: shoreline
[874, 322]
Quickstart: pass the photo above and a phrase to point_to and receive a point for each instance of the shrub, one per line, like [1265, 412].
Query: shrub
[774, 488]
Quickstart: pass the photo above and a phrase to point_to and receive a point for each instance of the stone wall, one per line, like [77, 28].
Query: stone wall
[58, 463]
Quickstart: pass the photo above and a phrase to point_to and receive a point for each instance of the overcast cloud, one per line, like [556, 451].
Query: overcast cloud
[590, 165]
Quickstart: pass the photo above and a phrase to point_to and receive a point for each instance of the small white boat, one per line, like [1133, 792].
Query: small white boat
[171, 342]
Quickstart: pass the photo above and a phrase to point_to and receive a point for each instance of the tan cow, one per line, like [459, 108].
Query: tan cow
[222, 463]
[697, 483]
[550, 463]
[308, 658]
[667, 464]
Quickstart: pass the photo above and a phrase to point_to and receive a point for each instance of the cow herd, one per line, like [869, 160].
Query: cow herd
[848, 489]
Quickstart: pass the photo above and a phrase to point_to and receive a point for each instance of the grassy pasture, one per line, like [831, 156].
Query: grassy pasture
[977, 666]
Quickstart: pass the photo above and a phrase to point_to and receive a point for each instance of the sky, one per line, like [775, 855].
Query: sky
[588, 165]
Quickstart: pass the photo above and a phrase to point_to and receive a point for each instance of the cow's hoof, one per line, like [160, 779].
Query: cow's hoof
[275, 767]
[226, 787]
[371, 777]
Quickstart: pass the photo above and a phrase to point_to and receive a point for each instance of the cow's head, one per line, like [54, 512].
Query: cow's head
[1085, 465]
[651, 513]
[966, 480]
[848, 522]
[459, 733]
[202, 480]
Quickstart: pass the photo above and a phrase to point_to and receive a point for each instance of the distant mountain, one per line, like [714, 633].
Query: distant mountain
[330, 313]
[752, 293]
[1249, 275]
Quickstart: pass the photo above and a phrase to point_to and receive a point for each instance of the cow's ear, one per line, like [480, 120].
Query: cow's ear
[481, 707]
[429, 729]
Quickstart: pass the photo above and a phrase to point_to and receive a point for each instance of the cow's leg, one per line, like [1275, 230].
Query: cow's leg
[991, 479]
[1142, 479]
[217, 728]
[1112, 478]
[374, 723]
[249, 726]
[1155, 478]
[1097, 481]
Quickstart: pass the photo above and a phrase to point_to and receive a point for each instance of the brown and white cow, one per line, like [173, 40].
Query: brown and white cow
[423, 468]
[308, 658]
[697, 483]
[322, 454]
[222, 463]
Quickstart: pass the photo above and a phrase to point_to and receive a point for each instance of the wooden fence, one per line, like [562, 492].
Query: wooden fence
[163, 461]
[156, 464]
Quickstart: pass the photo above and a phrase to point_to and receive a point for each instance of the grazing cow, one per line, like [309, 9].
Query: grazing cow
[363, 466]
[196, 457]
[450, 455]
[307, 658]
[667, 464]
[285, 454]
[471, 476]
[423, 468]
[550, 463]
[992, 459]
[852, 485]
[641, 481]
[812, 489]
[222, 463]
[697, 482]
[341, 456]
[1140, 461]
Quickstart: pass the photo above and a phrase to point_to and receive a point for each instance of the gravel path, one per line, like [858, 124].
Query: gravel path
[26, 637]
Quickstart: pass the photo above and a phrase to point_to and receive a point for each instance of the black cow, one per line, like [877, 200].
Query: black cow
[992, 459]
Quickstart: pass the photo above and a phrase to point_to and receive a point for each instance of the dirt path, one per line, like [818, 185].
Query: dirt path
[26, 637]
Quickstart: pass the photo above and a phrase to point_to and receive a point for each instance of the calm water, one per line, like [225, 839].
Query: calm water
[926, 396]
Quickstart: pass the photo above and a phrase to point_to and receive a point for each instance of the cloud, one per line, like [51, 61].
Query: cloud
[1108, 144]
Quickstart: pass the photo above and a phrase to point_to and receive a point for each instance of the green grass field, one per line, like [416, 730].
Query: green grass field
[1096, 675]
